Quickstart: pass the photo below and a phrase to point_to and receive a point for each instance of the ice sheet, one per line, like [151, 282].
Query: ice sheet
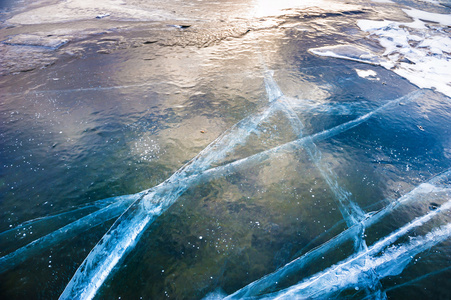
[105, 213]
[126, 231]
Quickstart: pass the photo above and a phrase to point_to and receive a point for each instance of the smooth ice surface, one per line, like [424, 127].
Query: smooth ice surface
[128, 228]
[124, 234]
[132, 223]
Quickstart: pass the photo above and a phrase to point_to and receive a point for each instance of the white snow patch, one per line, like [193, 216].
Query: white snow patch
[444, 19]
[369, 74]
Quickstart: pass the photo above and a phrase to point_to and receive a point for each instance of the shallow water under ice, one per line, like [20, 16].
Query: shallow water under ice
[234, 149]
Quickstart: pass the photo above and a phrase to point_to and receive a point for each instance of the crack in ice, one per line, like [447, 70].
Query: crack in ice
[266, 282]
[349, 272]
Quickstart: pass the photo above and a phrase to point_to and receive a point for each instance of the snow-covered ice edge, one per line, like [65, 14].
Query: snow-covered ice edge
[419, 51]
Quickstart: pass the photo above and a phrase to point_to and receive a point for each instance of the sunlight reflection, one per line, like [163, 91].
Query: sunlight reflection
[265, 8]
[273, 8]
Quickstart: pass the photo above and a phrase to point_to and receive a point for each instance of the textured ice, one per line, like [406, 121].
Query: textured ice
[414, 51]
[416, 14]
[265, 8]
[36, 40]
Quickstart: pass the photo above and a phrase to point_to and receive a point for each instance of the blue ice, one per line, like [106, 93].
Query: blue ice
[434, 185]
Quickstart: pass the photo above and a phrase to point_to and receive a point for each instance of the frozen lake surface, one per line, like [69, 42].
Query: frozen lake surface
[225, 149]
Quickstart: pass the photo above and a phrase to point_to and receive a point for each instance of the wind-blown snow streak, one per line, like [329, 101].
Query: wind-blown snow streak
[351, 272]
[270, 280]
